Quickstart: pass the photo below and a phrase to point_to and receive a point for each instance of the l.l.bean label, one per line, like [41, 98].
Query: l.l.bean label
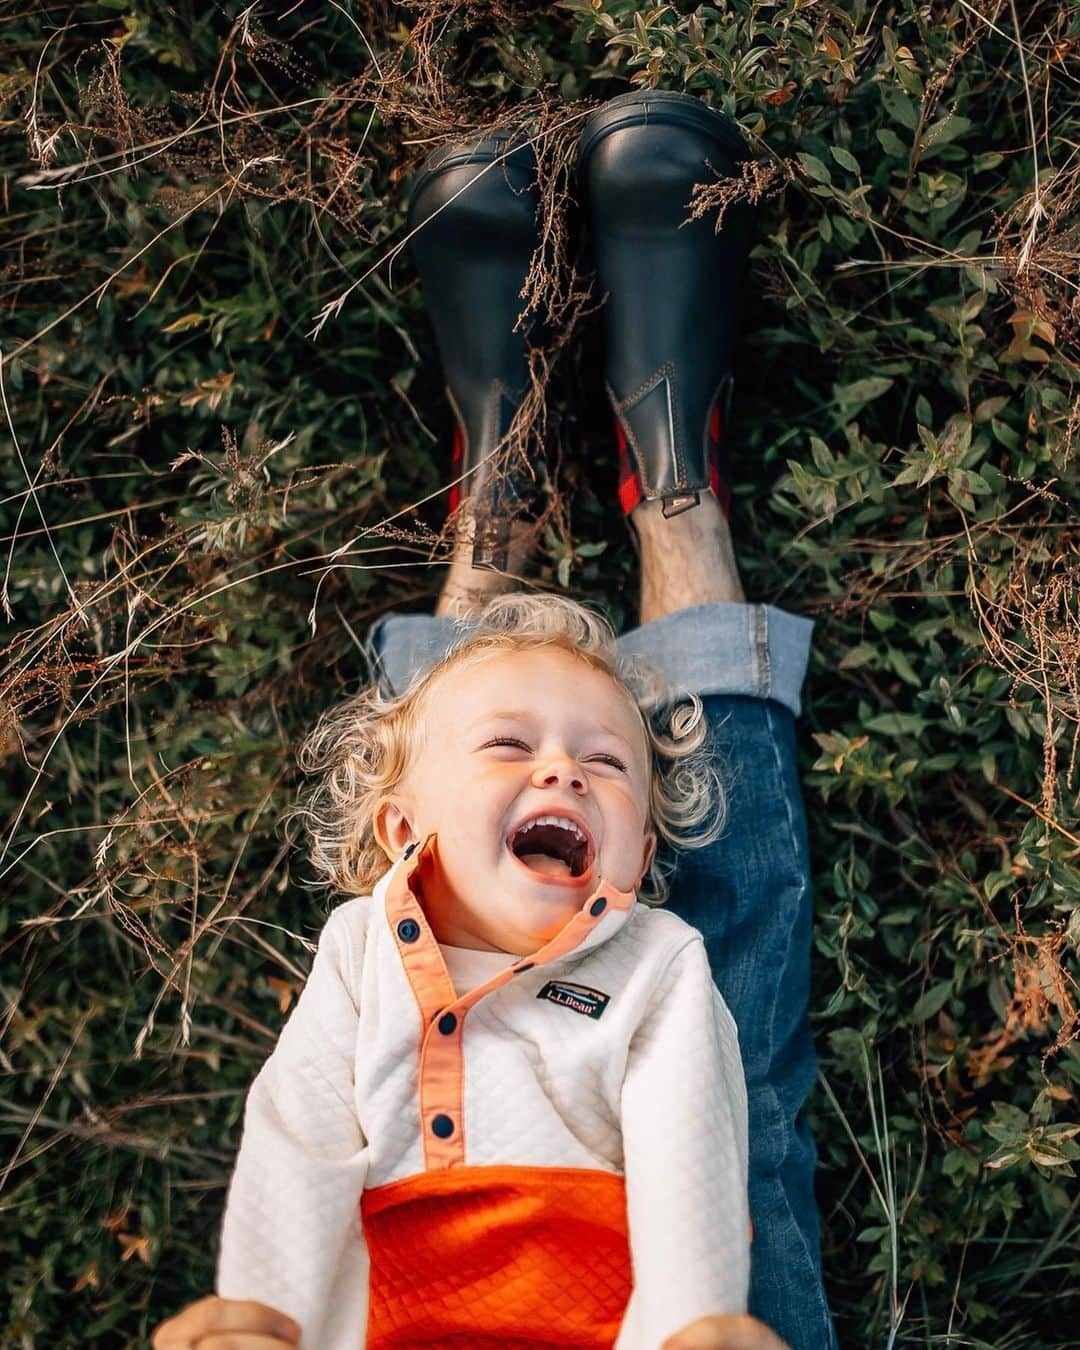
[577, 997]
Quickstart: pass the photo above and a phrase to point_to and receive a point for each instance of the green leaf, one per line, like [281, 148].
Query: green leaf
[900, 107]
[932, 1001]
[891, 143]
[989, 408]
[814, 168]
[1004, 1158]
[903, 667]
[858, 656]
[959, 1164]
[823, 456]
[1018, 722]
[897, 724]
[860, 392]
[1009, 1122]
[945, 130]
[845, 158]
[970, 481]
[994, 882]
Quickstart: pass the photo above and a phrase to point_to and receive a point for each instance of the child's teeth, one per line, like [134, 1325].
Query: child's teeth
[556, 820]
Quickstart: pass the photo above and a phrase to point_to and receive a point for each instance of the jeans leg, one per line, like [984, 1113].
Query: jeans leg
[749, 895]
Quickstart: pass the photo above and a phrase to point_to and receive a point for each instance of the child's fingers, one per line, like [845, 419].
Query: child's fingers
[226, 1322]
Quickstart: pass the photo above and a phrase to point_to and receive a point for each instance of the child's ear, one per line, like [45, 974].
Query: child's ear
[392, 828]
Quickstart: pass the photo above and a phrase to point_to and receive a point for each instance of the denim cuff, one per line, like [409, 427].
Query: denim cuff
[755, 650]
[401, 647]
[723, 648]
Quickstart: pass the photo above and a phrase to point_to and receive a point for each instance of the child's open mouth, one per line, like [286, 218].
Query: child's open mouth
[553, 848]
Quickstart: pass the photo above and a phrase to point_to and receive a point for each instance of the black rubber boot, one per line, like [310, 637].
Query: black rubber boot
[672, 307]
[473, 207]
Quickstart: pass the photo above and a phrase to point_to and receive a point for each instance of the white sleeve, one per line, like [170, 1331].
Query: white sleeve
[291, 1236]
[686, 1147]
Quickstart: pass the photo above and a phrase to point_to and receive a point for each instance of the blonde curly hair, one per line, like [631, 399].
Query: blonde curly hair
[361, 748]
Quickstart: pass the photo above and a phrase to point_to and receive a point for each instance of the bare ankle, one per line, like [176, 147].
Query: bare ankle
[461, 597]
[687, 559]
[466, 588]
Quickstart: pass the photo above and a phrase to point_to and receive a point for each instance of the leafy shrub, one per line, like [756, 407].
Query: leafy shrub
[207, 504]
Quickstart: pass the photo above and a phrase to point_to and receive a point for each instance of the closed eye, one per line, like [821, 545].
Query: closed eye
[512, 740]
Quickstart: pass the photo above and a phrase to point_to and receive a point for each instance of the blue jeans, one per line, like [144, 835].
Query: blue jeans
[748, 894]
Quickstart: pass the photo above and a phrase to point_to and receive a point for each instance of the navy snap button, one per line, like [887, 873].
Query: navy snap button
[447, 1024]
[598, 906]
[408, 930]
[409, 851]
[443, 1126]
[527, 966]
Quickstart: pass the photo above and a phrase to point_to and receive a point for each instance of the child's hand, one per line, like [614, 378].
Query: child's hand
[733, 1332]
[215, 1322]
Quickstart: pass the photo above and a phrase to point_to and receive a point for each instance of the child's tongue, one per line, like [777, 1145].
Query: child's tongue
[545, 863]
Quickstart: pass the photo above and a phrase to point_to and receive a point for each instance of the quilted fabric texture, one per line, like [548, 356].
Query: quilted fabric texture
[608, 1055]
[498, 1256]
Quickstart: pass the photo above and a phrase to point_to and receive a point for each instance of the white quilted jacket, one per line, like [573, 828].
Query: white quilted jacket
[556, 1155]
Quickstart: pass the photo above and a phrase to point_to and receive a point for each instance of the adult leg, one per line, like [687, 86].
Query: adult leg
[749, 892]
[473, 229]
[671, 325]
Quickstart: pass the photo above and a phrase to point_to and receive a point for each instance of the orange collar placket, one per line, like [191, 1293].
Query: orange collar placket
[442, 1012]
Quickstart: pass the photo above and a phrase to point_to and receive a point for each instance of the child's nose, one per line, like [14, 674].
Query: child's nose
[561, 771]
